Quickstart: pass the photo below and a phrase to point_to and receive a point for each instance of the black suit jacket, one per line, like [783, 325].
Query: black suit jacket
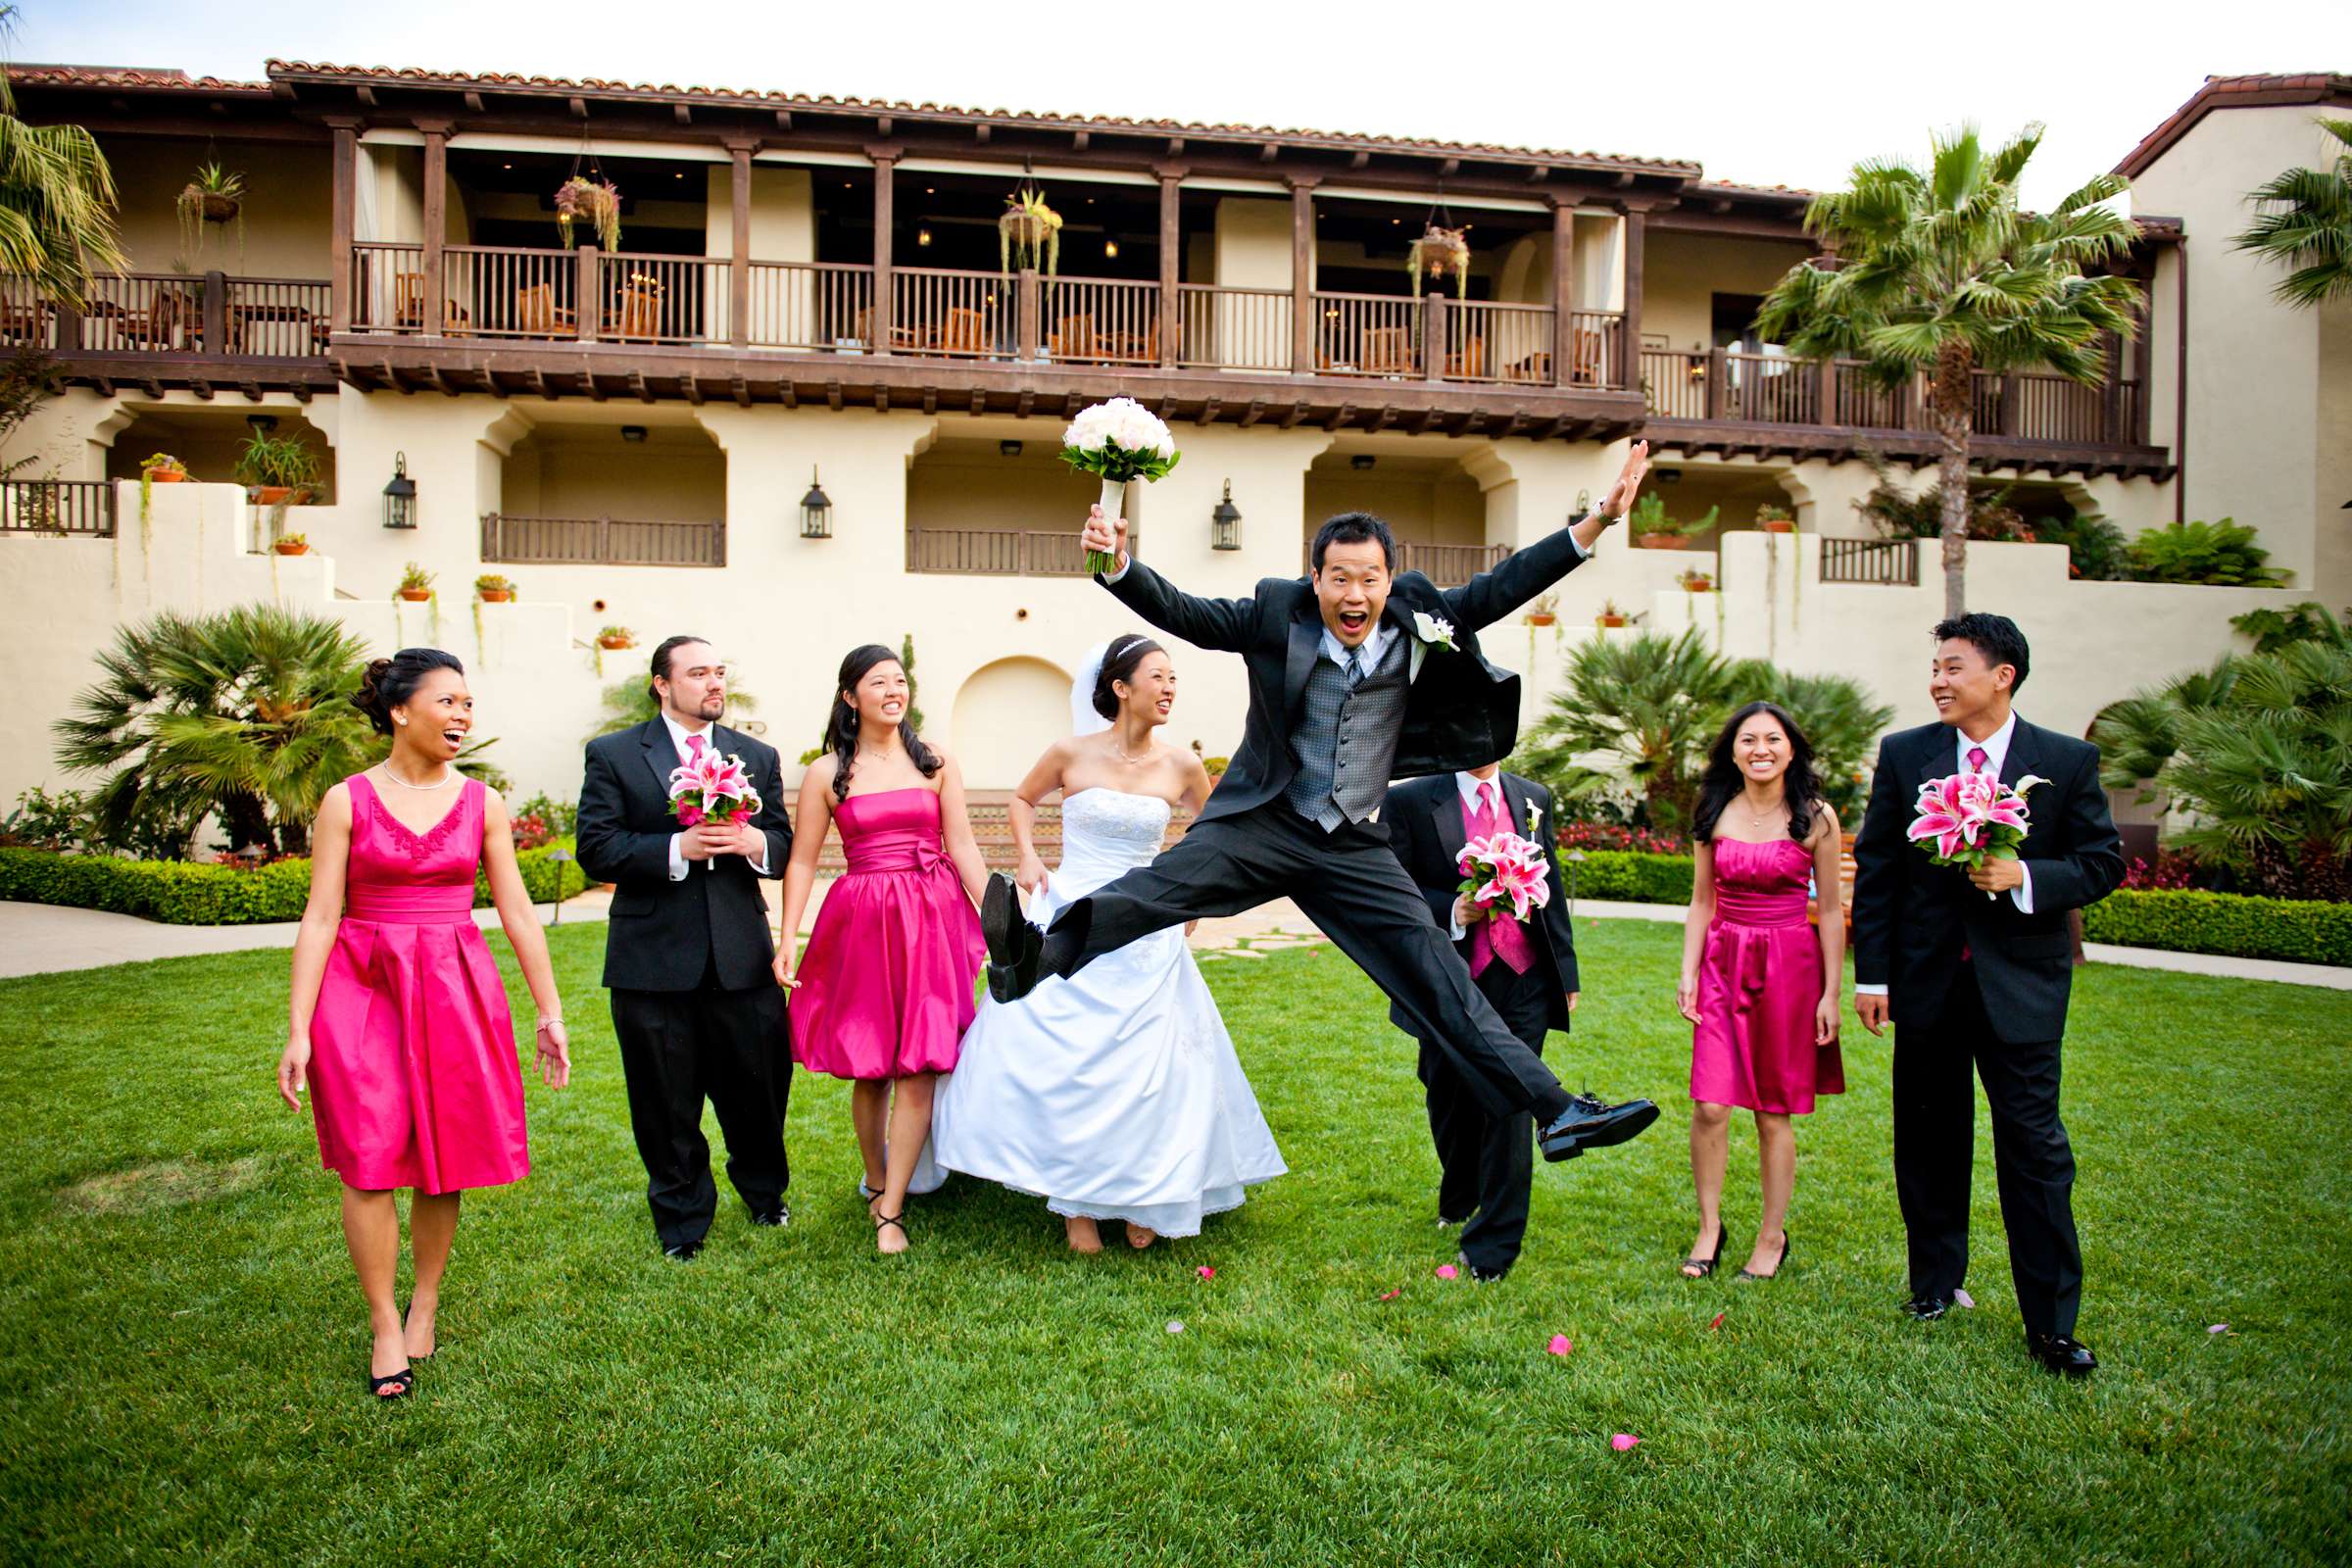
[1425, 832]
[1462, 712]
[1912, 917]
[664, 934]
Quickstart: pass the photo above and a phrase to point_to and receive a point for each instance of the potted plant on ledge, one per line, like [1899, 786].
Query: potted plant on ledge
[293, 544]
[615, 637]
[1545, 611]
[1654, 530]
[1698, 581]
[278, 470]
[492, 589]
[1774, 519]
[1611, 614]
[415, 584]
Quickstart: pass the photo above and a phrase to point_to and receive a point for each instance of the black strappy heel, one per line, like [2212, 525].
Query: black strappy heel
[1786, 1241]
[392, 1385]
[898, 1219]
[404, 1328]
[1706, 1266]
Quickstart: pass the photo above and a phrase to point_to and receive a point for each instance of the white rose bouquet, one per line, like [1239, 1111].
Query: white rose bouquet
[1117, 441]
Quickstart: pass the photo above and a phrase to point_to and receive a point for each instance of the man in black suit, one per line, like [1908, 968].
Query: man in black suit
[1975, 967]
[687, 957]
[1525, 968]
[1356, 676]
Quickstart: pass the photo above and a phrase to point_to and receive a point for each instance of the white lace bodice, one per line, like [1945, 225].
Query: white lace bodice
[1105, 833]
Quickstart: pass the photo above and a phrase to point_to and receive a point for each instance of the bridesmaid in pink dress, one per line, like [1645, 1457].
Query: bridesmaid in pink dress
[1759, 986]
[884, 992]
[400, 1027]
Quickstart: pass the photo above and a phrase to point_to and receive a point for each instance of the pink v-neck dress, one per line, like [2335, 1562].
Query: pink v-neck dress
[886, 985]
[1760, 982]
[414, 1076]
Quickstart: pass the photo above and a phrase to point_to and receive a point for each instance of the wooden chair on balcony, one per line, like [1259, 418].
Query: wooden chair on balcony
[963, 332]
[1585, 368]
[1074, 339]
[901, 335]
[162, 326]
[1386, 351]
[537, 314]
[25, 321]
[408, 306]
[637, 312]
[1470, 365]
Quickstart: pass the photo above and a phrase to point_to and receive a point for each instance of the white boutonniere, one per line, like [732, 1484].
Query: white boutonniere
[1535, 817]
[1433, 630]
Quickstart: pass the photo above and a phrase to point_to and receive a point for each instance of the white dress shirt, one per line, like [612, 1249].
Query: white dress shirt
[1995, 747]
[679, 865]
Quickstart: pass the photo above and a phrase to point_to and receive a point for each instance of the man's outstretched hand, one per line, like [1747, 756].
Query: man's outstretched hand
[1106, 534]
[1620, 499]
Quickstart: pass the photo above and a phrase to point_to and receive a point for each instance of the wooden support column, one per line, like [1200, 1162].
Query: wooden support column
[215, 313]
[1563, 293]
[433, 305]
[1302, 280]
[886, 162]
[344, 206]
[1825, 391]
[1171, 263]
[1432, 336]
[588, 292]
[2013, 403]
[739, 253]
[1628, 359]
[2110, 421]
[1029, 298]
[1718, 385]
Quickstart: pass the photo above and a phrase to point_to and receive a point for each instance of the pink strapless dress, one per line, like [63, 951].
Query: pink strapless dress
[886, 985]
[1760, 982]
[413, 1077]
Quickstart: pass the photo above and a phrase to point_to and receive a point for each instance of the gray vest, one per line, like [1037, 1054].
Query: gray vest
[1345, 741]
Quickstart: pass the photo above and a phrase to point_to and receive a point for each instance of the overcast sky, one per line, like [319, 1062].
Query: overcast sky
[1760, 93]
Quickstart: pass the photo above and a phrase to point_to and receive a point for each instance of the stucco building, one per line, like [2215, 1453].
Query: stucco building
[811, 294]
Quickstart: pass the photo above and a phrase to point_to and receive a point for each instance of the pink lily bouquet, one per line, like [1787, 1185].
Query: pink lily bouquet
[1504, 867]
[1970, 818]
[1117, 441]
[712, 788]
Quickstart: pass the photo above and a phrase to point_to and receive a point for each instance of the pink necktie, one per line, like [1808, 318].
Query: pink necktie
[694, 748]
[1498, 936]
[1976, 759]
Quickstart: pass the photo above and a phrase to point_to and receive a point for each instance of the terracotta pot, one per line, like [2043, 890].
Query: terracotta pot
[1609, 621]
[1665, 541]
[609, 644]
[495, 596]
[280, 495]
[167, 476]
[291, 546]
[416, 596]
[1780, 525]
[1701, 585]
[1537, 618]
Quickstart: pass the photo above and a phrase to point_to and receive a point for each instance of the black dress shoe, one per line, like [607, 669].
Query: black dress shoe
[1479, 1275]
[775, 1218]
[2068, 1357]
[1927, 1308]
[1015, 946]
[1589, 1122]
[683, 1253]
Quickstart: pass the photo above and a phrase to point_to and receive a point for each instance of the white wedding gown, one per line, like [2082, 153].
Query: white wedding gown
[1113, 1094]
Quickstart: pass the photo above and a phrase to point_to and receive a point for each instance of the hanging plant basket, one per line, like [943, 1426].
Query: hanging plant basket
[1440, 253]
[594, 202]
[1029, 233]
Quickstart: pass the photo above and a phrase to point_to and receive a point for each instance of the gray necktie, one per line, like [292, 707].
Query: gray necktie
[1354, 668]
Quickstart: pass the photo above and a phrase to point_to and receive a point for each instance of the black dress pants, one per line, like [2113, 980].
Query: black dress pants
[1352, 887]
[678, 1048]
[1935, 1150]
[1486, 1162]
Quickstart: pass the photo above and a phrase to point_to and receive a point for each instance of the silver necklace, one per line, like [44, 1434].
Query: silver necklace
[1121, 752]
[452, 777]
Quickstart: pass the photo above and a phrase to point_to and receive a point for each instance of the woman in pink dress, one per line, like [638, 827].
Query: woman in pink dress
[400, 1028]
[884, 992]
[1759, 986]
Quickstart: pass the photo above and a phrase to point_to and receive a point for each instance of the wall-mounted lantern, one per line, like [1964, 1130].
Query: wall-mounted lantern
[1225, 524]
[400, 496]
[816, 512]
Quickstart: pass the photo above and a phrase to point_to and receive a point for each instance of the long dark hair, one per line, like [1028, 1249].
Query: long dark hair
[840, 723]
[1724, 779]
[387, 683]
[1120, 659]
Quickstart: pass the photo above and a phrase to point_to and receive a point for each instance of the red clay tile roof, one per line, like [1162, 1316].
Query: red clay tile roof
[123, 77]
[2235, 92]
[502, 81]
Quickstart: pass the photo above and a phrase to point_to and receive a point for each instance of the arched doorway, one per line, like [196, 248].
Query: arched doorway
[1006, 713]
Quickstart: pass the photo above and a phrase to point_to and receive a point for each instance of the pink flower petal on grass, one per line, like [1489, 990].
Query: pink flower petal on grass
[1624, 1441]
[1175, 1325]
[1391, 1296]
[1962, 1299]
[1716, 1322]
[1206, 1272]
[2218, 1328]
[1559, 1345]
[1447, 1271]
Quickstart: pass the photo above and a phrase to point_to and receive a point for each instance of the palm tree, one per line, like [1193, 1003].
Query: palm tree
[1840, 721]
[245, 714]
[1939, 270]
[1648, 706]
[630, 702]
[2307, 225]
[57, 202]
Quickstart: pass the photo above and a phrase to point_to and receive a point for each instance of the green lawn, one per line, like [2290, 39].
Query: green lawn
[184, 1344]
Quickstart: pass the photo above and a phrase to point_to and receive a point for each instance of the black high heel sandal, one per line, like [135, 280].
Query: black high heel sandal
[404, 1328]
[1706, 1266]
[899, 1219]
[392, 1385]
[1786, 1241]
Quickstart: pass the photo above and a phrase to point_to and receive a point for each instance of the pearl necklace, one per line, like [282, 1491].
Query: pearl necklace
[453, 775]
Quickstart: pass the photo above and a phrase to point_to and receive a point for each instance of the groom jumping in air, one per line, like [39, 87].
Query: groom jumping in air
[1356, 676]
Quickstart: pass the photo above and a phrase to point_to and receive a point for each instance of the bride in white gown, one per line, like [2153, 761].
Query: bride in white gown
[1114, 1093]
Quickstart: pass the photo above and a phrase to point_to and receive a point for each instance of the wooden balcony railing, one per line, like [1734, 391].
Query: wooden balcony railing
[995, 552]
[1489, 342]
[1774, 389]
[960, 315]
[810, 306]
[1447, 566]
[387, 287]
[1887, 563]
[1596, 348]
[211, 314]
[601, 542]
[1233, 328]
[493, 291]
[62, 507]
[1367, 334]
[1099, 320]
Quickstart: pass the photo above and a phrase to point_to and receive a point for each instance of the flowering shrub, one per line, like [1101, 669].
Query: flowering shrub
[1590, 836]
[531, 831]
[2172, 869]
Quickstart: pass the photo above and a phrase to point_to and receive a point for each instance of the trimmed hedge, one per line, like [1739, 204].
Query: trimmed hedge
[188, 893]
[2186, 920]
[1631, 876]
